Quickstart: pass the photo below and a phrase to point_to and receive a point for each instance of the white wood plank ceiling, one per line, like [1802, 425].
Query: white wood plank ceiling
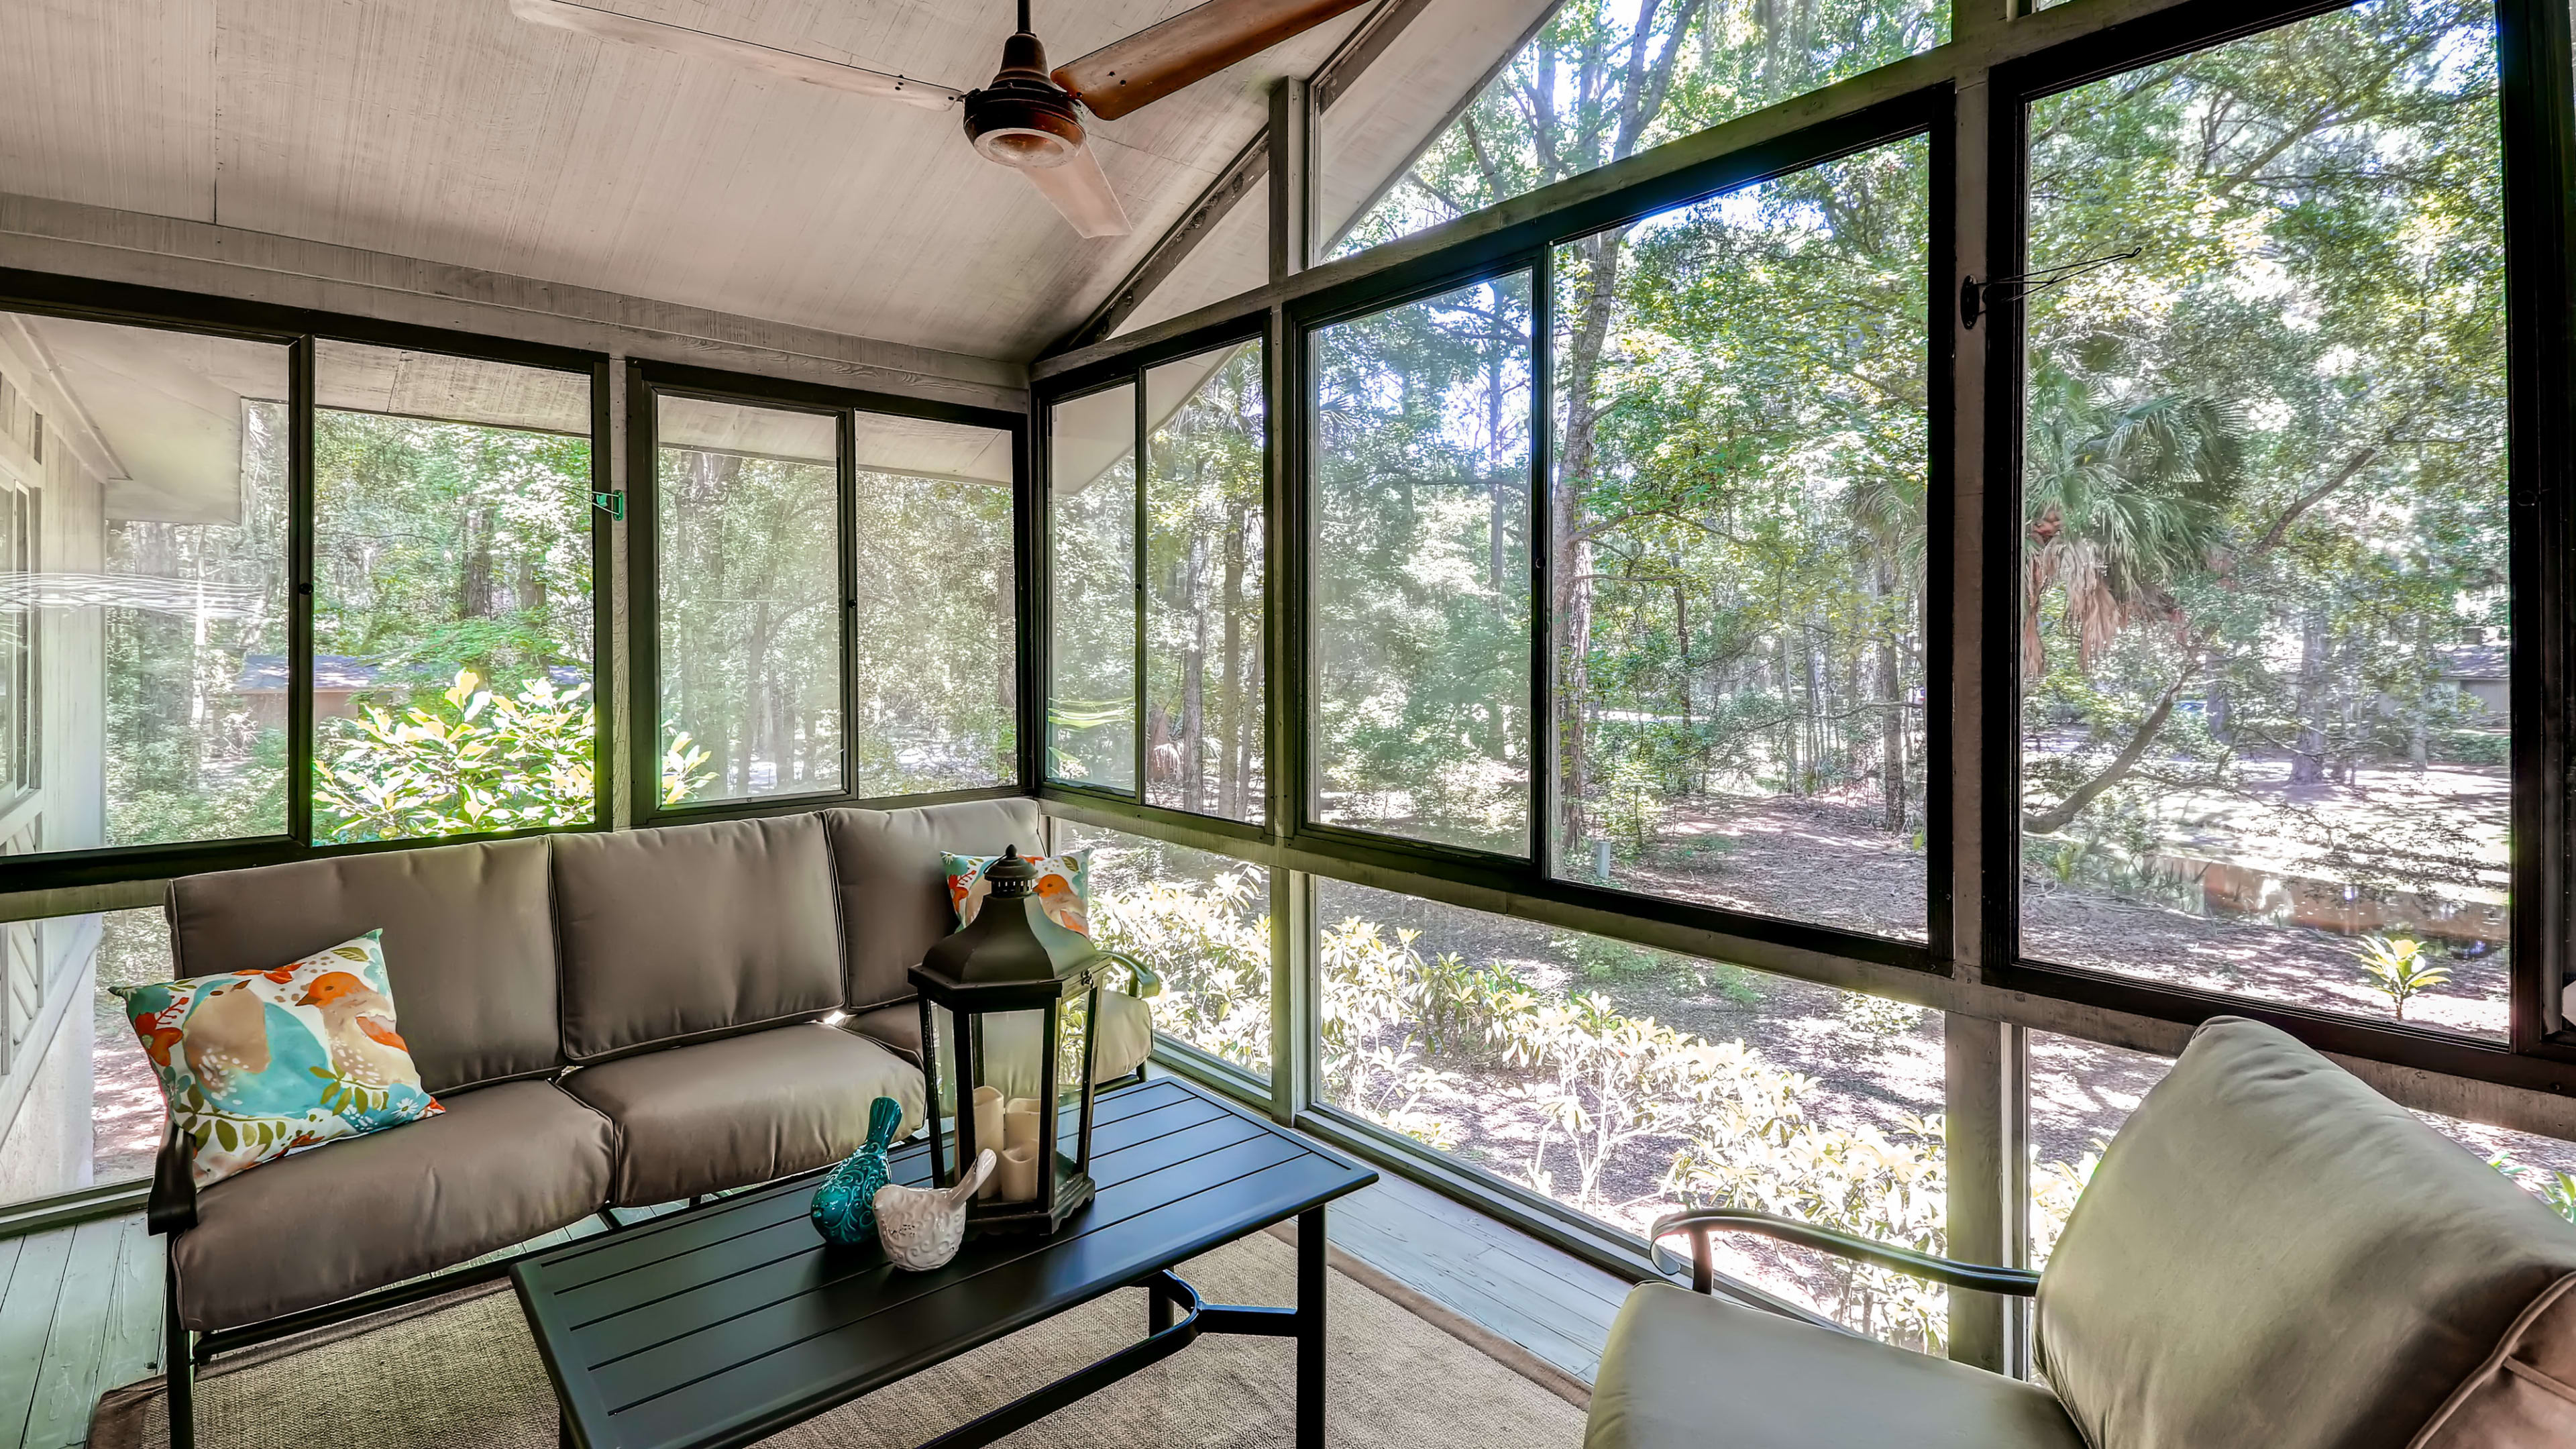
[450, 131]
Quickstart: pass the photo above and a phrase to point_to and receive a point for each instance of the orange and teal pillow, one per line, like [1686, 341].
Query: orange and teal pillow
[258, 1064]
[1063, 889]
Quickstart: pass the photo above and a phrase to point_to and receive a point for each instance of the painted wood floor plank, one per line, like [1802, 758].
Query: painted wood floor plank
[133, 1348]
[1567, 1345]
[1471, 1255]
[25, 1316]
[68, 1383]
[1578, 1276]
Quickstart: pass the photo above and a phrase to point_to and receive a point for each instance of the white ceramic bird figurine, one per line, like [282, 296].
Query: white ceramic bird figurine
[922, 1227]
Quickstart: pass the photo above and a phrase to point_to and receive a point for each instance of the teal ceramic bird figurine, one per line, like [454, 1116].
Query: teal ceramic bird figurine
[844, 1210]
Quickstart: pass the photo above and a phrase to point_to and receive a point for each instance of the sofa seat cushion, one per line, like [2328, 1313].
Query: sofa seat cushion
[746, 1109]
[501, 1165]
[1126, 1032]
[1685, 1371]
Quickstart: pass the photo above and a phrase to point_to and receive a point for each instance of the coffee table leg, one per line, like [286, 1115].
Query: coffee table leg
[1310, 1329]
[563, 1430]
[1158, 1308]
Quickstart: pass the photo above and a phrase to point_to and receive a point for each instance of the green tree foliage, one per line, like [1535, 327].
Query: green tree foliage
[1205, 575]
[448, 555]
[1604, 79]
[1421, 573]
[749, 618]
[2265, 484]
[935, 638]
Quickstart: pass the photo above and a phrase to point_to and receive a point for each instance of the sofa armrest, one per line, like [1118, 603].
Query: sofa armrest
[1700, 1222]
[1148, 981]
[171, 1207]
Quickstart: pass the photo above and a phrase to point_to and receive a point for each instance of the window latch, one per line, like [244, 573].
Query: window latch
[1978, 298]
[612, 504]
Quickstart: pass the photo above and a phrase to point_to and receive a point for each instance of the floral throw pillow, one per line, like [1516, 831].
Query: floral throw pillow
[1064, 887]
[258, 1064]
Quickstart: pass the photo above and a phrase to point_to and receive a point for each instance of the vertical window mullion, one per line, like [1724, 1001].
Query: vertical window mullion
[643, 598]
[604, 582]
[299, 555]
[1542, 561]
[2538, 113]
[1143, 691]
[845, 442]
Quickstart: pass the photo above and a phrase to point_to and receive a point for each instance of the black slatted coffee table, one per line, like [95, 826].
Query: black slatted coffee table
[725, 1324]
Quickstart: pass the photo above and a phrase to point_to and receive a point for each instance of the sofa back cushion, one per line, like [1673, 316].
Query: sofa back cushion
[693, 931]
[468, 940]
[894, 890]
[2272, 1253]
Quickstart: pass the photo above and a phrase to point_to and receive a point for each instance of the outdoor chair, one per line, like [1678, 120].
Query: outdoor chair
[2270, 1254]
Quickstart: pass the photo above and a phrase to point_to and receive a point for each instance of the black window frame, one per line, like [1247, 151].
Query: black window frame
[2538, 153]
[297, 329]
[646, 381]
[1130, 370]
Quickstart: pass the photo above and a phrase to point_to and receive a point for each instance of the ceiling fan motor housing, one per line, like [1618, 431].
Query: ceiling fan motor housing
[1023, 118]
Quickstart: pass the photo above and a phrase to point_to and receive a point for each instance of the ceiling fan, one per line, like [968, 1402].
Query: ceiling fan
[1029, 118]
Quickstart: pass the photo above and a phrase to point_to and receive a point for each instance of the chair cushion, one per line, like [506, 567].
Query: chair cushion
[688, 932]
[2272, 1253]
[1685, 1371]
[469, 944]
[746, 1109]
[502, 1165]
[886, 865]
[1126, 1033]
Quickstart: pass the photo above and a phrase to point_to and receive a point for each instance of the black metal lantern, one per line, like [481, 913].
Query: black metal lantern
[1010, 1008]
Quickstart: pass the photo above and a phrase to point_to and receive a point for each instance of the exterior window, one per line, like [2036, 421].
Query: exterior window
[143, 597]
[2265, 635]
[1202, 921]
[1204, 570]
[1622, 1081]
[1739, 531]
[936, 636]
[452, 602]
[1421, 626]
[1602, 82]
[749, 610]
[1091, 511]
[79, 1103]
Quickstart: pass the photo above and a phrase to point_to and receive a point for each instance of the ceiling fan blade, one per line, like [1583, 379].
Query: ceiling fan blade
[680, 40]
[1191, 46]
[1080, 189]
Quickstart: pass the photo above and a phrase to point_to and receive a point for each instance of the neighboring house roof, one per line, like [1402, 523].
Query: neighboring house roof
[266, 674]
[2475, 662]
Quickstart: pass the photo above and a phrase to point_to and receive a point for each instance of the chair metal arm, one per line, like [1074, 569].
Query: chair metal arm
[1149, 982]
[1700, 1222]
[171, 1206]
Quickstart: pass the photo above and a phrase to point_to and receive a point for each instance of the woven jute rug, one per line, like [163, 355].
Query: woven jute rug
[1405, 1374]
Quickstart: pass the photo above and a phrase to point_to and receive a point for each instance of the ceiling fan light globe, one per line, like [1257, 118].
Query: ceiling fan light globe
[1024, 148]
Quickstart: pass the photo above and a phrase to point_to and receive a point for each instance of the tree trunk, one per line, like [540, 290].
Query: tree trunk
[2308, 755]
[1229, 788]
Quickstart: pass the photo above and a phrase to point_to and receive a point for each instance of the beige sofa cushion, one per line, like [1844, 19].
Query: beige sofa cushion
[469, 944]
[893, 890]
[720, 1114]
[2272, 1253]
[689, 932]
[1684, 1371]
[500, 1166]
